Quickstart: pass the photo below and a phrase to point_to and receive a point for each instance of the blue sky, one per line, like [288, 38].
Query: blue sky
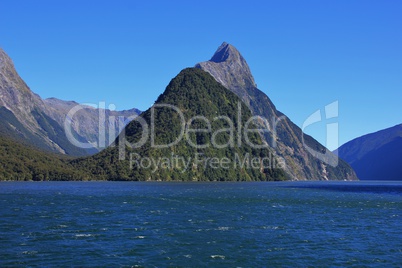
[303, 54]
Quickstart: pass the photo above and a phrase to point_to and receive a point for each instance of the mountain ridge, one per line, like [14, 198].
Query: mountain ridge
[228, 74]
[233, 72]
[375, 156]
[41, 122]
[30, 110]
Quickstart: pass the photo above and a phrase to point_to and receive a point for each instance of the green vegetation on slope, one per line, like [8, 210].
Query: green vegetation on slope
[195, 93]
[21, 162]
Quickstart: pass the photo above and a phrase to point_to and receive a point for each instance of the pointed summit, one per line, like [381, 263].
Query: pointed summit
[224, 52]
[229, 67]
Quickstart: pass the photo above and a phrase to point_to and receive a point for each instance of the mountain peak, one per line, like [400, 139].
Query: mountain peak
[225, 52]
[229, 67]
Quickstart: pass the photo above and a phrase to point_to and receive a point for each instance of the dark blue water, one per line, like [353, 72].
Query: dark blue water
[200, 224]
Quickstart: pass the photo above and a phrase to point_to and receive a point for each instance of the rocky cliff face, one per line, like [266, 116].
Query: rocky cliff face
[28, 112]
[230, 69]
[15, 94]
[26, 117]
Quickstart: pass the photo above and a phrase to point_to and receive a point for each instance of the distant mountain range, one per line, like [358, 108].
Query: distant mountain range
[375, 156]
[220, 88]
[85, 121]
[27, 118]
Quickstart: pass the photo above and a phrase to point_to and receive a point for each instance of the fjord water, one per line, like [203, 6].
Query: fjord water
[200, 224]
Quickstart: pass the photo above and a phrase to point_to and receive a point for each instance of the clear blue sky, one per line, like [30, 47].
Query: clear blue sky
[303, 54]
